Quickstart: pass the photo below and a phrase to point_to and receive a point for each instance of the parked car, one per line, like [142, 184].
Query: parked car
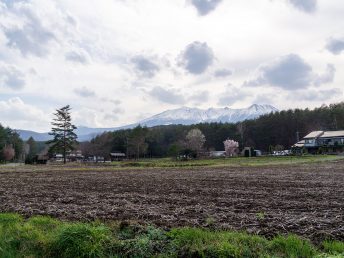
[281, 153]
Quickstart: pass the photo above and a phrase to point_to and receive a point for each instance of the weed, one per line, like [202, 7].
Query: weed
[260, 216]
[334, 247]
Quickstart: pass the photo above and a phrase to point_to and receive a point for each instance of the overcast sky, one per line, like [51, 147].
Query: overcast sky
[118, 61]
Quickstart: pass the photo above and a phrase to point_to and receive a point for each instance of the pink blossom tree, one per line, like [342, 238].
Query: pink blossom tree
[231, 147]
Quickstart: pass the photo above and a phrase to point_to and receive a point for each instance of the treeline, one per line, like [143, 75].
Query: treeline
[265, 133]
[11, 146]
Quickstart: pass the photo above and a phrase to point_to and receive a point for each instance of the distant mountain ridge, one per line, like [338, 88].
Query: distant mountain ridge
[188, 116]
[183, 115]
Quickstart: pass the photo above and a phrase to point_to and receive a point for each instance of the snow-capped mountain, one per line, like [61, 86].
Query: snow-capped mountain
[187, 116]
[184, 116]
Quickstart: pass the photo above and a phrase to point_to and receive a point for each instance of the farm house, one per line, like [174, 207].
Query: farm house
[321, 142]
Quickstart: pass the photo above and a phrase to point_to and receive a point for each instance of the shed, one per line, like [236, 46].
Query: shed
[117, 156]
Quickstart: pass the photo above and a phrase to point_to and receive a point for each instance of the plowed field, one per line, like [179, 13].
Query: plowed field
[306, 199]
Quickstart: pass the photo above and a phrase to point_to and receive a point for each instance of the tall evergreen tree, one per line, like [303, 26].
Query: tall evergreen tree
[63, 132]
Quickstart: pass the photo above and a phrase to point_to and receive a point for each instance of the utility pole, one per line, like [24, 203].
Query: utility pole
[297, 136]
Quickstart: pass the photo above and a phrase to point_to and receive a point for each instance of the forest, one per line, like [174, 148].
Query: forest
[276, 130]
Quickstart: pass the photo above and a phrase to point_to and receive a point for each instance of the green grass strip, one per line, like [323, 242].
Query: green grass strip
[41, 236]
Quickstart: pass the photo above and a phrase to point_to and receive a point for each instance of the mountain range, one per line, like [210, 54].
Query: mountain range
[183, 115]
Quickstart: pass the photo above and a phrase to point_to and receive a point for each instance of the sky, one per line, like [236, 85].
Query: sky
[116, 62]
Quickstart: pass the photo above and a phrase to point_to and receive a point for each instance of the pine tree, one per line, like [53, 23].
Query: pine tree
[63, 132]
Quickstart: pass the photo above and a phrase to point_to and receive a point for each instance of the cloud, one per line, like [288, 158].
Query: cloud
[223, 73]
[205, 6]
[31, 38]
[335, 46]
[94, 118]
[308, 6]
[264, 99]
[10, 3]
[77, 57]
[144, 66]
[316, 95]
[114, 115]
[196, 57]
[11, 77]
[288, 72]
[116, 102]
[199, 98]
[84, 92]
[326, 77]
[231, 96]
[17, 114]
[170, 96]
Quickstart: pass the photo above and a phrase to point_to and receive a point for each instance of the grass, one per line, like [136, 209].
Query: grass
[47, 237]
[231, 162]
[170, 163]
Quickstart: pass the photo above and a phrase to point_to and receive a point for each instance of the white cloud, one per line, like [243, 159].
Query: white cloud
[196, 57]
[19, 115]
[77, 56]
[335, 46]
[171, 96]
[291, 72]
[205, 6]
[326, 77]
[95, 117]
[199, 97]
[84, 92]
[232, 95]
[317, 95]
[145, 66]
[11, 77]
[223, 73]
[156, 55]
[308, 6]
[31, 37]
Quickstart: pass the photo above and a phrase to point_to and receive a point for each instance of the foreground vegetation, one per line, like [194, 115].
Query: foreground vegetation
[47, 237]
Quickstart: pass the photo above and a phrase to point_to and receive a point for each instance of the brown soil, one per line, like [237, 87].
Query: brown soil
[307, 199]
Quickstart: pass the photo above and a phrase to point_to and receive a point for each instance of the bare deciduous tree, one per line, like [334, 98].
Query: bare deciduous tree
[195, 140]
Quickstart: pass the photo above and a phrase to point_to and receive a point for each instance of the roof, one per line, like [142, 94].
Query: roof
[299, 144]
[331, 134]
[314, 134]
[117, 154]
